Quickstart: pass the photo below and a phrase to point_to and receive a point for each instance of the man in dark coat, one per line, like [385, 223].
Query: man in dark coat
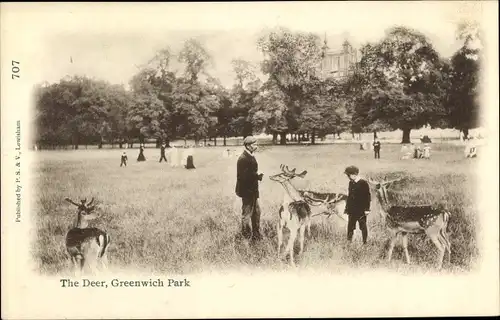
[247, 188]
[376, 148]
[162, 153]
[358, 203]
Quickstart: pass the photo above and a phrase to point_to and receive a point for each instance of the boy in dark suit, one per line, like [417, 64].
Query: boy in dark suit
[358, 203]
[247, 188]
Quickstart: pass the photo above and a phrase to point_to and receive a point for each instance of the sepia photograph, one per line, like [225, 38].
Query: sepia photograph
[251, 159]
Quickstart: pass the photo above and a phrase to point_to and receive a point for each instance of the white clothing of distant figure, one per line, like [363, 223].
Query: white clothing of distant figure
[470, 149]
[173, 155]
[427, 152]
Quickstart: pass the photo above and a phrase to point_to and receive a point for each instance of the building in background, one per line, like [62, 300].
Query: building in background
[338, 63]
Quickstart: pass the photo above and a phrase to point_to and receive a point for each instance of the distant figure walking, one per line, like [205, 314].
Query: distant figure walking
[124, 159]
[376, 148]
[141, 156]
[162, 153]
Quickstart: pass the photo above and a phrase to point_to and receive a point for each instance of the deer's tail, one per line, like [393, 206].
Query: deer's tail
[104, 240]
[446, 217]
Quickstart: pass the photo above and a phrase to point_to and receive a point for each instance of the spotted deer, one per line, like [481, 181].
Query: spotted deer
[294, 213]
[84, 243]
[402, 220]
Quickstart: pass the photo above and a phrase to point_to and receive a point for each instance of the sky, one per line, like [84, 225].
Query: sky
[109, 40]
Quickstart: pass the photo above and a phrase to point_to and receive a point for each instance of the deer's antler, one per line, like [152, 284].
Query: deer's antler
[91, 201]
[393, 180]
[290, 171]
[302, 174]
[72, 202]
[287, 171]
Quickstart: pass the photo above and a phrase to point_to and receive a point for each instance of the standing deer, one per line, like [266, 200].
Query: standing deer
[294, 213]
[402, 220]
[84, 243]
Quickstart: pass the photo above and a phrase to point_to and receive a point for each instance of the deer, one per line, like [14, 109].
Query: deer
[84, 243]
[294, 212]
[334, 202]
[402, 220]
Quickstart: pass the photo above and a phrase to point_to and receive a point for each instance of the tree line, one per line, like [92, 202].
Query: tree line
[400, 82]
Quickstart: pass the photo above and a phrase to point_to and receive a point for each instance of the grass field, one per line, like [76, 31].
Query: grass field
[172, 220]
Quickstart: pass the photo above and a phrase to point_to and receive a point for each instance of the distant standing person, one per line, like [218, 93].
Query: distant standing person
[124, 159]
[358, 203]
[427, 151]
[247, 188]
[189, 158]
[162, 153]
[141, 156]
[376, 148]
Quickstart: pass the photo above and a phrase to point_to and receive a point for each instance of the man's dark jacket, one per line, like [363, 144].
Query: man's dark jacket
[247, 180]
[358, 199]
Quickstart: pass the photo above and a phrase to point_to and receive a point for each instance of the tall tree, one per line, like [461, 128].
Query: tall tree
[243, 94]
[195, 58]
[404, 81]
[463, 104]
[291, 61]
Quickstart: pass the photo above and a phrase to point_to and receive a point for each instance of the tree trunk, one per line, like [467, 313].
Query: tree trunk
[374, 135]
[466, 133]
[282, 138]
[205, 141]
[224, 140]
[121, 144]
[215, 141]
[275, 137]
[313, 137]
[406, 136]
[299, 137]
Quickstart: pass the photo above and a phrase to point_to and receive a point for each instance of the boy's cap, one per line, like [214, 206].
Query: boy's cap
[351, 170]
[249, 140]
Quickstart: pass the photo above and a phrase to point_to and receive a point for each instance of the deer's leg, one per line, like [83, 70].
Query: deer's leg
[291, 242]
[308, 221]
[434, 236]
[447, 243]
[405, 247]
[104, 262]
[279, 229]
[392, 243]
[301, 238]
[79, 262]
